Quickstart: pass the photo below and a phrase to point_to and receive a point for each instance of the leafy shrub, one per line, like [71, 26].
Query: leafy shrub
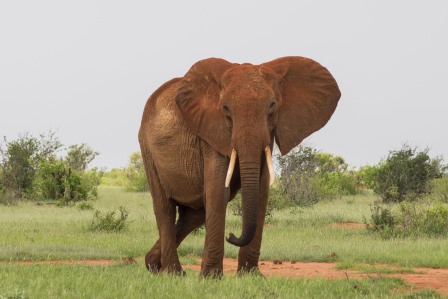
[114, 177]
[436, 221]
[308, 176]
[135, 173]
[405, 173]
[56, 180]
[381, 218]
[18, 161]
[344, 183]
[6, 198]
[411, 220]
[29, 168]
[439, 189]
[108, 222]
[83, 206]
[367, 176]
[416, 220]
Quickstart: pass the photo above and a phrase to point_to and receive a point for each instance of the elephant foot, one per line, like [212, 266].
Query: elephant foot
[208, 272]
[174, 270]
[152, 262]
[253, 271]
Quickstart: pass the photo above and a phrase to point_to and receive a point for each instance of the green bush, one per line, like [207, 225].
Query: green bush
[436, 221]
[55, 180]
[412, 219]
[50, 180]
[19, 159]
[108, 222]
[439, 189]
[381, 218]
[405, 174]
[308, 176]
[30, 168]
[6, 198]
[114, 177]
[84, 206]
[367, 176]
[135, 173]
[344, 183]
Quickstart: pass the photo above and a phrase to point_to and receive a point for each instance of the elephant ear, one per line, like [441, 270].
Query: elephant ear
[310, 95]
[198, 100]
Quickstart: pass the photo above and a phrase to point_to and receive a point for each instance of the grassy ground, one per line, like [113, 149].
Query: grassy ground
[57, 281]
[46, 232]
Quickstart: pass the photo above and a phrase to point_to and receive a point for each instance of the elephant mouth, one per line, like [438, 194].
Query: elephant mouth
[269, 164]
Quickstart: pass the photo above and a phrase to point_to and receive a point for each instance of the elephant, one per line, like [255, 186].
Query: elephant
[210, 133]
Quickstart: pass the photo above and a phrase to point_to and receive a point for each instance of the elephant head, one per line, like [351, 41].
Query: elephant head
[239, 109]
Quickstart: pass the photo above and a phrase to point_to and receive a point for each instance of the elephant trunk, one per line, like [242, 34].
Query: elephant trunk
[250, 189]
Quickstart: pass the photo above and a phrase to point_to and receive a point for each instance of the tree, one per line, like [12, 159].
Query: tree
[19, 160]
[30, 167]
[79, 156]
[405, 173]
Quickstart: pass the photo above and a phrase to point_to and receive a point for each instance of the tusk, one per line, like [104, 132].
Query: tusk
[231, 167]
[267, 151]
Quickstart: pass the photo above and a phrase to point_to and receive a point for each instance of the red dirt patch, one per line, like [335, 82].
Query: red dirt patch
[68, 262]
[348, 225]
[436, 279]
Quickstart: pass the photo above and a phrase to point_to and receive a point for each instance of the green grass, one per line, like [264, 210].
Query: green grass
[77, 281]
[45, 232]
[370, 268]
[307, 236]
[42, 232]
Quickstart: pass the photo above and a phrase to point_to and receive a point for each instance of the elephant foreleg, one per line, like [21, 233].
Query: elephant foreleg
[189, 220]
[216, 198]
[248, 255]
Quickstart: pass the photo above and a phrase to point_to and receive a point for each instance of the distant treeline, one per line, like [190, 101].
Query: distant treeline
[35, 168]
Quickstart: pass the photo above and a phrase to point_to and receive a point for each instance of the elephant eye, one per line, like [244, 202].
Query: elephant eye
[225, 108]
[272, 104]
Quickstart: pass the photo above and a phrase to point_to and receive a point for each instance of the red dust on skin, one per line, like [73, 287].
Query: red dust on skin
[422, 278]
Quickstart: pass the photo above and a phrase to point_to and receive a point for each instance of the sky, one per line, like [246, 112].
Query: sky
[85, 69]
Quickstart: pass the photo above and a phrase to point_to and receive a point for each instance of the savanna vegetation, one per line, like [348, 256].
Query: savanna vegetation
[405, 225]
[33, 168]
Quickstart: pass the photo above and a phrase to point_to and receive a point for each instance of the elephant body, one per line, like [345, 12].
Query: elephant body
[205, 136]
[173, 149]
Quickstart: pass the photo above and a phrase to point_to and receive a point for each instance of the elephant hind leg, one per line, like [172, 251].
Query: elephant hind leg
[152, 259]
[189, 220]
[165, 212]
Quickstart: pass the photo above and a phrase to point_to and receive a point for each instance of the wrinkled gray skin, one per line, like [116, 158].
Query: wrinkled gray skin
[189, 128]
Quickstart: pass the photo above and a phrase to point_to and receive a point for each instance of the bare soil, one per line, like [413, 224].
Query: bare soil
[436, 279]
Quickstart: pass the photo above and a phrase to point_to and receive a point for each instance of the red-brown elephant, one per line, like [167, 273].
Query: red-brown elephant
[205, 136]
